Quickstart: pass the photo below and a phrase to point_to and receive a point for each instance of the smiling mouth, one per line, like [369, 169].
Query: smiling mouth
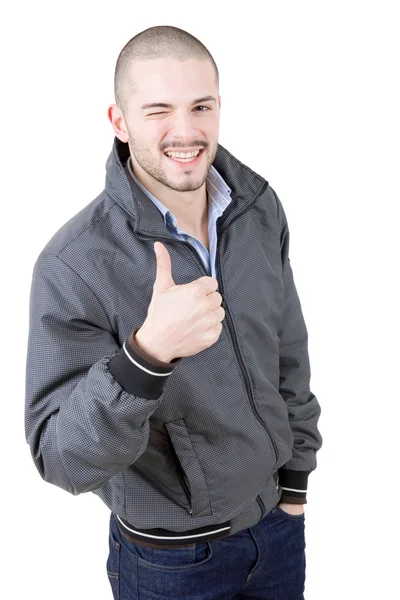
[184, 157]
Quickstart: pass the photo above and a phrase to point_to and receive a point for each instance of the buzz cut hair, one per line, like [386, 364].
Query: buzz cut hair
[162, 41]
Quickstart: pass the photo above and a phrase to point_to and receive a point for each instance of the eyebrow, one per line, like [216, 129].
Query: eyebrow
[165, 105]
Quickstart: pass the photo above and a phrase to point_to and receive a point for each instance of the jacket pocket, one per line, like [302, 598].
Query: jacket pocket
[189, 469]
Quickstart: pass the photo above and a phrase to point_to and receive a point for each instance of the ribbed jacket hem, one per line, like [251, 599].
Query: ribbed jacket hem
[163, 537]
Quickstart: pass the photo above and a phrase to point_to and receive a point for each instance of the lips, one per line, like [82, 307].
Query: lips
[184, 161]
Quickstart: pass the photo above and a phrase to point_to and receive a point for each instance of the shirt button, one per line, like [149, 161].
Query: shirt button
[190, 239]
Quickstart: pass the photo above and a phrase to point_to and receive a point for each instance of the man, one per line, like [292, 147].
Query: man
[167, 367]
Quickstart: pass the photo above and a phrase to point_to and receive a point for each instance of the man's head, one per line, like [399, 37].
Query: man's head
[166, 88]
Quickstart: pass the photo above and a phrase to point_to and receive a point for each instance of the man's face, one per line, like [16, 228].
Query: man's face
[190, 122]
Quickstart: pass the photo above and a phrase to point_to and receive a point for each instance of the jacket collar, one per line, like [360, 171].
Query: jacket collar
[246, 186]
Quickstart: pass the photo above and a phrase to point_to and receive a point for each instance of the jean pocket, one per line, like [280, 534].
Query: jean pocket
[113, 560]
[189, 469]
[174, 559]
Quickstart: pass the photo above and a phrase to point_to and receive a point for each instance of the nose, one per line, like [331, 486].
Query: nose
[183, 127]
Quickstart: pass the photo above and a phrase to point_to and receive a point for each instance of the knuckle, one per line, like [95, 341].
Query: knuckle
[217, 332]
[204, 280]
[195, 292]
[209, 281]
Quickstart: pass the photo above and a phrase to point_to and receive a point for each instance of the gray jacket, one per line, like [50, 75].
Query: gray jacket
[197, 448]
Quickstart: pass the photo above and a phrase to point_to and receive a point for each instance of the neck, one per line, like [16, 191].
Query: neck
[189, 208]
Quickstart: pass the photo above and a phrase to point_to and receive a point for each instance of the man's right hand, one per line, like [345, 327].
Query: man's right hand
[182, 320]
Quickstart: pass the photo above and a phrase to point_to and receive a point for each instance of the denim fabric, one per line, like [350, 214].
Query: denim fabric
[266, 561]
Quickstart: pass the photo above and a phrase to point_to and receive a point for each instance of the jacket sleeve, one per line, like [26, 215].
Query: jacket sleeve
[294, 365]
[87, 400]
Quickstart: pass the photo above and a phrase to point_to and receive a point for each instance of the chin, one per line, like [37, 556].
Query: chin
[191, 188]
[185, 182]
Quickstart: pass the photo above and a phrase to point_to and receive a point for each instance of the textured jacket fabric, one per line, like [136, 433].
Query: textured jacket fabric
[205, 445]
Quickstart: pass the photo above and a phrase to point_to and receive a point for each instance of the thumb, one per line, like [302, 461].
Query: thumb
[163, 274]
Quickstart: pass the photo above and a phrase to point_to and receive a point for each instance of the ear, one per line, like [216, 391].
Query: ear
[117, 121]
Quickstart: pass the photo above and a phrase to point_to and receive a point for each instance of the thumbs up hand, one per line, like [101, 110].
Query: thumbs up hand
[182, 320]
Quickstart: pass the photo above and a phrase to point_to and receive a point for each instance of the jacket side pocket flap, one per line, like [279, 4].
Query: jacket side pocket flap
[190, 464]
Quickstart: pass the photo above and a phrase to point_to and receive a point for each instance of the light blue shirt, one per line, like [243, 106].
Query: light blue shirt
[218, 199]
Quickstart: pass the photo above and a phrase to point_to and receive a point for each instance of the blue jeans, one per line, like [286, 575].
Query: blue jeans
[266, 561]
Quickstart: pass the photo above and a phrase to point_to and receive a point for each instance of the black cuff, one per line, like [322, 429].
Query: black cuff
[137, 375]
[293, 485]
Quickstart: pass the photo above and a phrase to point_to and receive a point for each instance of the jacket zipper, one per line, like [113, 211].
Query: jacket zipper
[245, 374]
[246, 377]
[232, 331]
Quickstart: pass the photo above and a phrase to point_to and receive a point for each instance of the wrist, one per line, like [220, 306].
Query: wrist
[145, 343]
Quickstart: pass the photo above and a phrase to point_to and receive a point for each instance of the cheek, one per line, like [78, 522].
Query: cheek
[155, 134]
[211, 128]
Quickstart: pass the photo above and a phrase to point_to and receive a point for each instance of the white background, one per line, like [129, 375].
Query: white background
[310, 100]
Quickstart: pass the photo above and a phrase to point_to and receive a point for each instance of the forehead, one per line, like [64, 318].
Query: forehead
[169, 77]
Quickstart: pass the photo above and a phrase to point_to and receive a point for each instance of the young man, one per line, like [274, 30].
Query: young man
[168, 369]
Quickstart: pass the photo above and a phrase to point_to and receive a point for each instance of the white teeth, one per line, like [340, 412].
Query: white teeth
[185, 155]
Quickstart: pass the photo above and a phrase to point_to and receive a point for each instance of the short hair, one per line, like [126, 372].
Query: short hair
[162, 41]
